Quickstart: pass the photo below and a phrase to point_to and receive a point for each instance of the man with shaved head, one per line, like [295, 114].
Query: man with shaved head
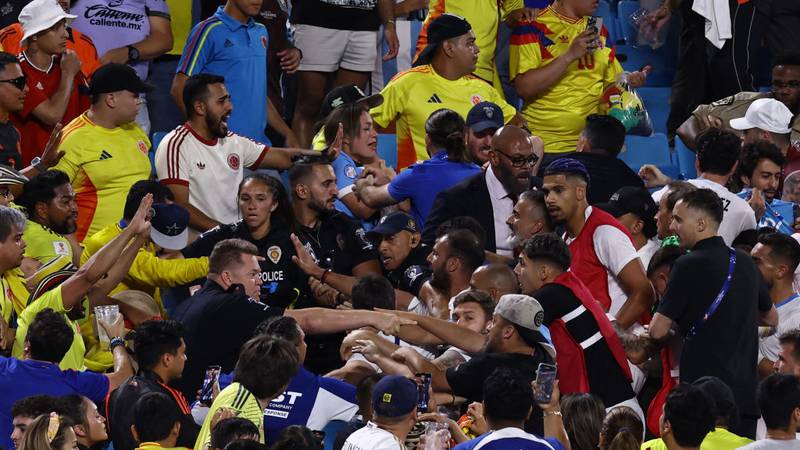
[496, 280]
[603, 255]
[489, 196]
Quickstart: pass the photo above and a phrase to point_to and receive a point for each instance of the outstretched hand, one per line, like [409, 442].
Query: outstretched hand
[51, 155]
[140, 224]
[304, 260]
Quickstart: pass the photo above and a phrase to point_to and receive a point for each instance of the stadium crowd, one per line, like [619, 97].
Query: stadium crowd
[410, 224]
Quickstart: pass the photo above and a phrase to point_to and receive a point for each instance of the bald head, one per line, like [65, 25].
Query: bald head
[515, 156]
[494, 279]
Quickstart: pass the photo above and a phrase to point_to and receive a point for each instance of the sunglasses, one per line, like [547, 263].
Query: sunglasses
[18, 83]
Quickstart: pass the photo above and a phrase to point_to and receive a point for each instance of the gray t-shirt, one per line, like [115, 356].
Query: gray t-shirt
[773, 444]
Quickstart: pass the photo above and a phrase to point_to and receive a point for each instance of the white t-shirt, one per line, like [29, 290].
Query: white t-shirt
[372, 438]
[738, 216]
[773, 444]
[615, 250]
[646, 253]
[211, 169]
[788, 319]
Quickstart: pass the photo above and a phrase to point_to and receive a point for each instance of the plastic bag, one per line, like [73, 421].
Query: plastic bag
[622, 102]
[647, 34]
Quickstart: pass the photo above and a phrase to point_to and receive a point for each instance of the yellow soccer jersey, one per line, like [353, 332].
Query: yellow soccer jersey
[411, 97]
[484, 17]
[51, 299]
[244, 405]
[44, 244]
[559, 115]
[103, 164]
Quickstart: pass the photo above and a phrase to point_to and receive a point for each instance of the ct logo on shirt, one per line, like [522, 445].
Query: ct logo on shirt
[233, 161]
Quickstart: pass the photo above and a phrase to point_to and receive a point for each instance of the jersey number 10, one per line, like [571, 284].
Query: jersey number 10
[586, 62]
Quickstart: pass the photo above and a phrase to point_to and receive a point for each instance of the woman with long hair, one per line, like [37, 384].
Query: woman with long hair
[266, 221]
[449, 164]
[583, 419]
[49, 432]
[622, 430]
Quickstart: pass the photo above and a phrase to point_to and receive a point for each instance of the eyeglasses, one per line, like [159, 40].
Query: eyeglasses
[520, 161]
[18, 82]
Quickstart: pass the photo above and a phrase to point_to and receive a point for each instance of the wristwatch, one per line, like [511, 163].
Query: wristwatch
[133, 54]
[35, 162]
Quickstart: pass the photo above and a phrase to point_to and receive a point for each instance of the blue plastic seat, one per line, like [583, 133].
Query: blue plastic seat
[663, 59]
[387, 149]
[605, 11]
[686, 159]
[656, 101]
[640, 150]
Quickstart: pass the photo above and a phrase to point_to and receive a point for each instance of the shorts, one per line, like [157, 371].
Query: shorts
[328, 50]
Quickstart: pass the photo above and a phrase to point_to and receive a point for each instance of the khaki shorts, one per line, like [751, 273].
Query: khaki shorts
[328, 50]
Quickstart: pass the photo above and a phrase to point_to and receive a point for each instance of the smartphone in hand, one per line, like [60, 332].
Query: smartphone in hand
[595, 23]
[207, 392]
[423, 380]
[545, 378]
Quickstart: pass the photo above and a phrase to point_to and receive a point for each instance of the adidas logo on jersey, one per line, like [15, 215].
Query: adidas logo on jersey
[434, 99]
[228, 43]
[201, 165]
[39, 86]
[105, 155]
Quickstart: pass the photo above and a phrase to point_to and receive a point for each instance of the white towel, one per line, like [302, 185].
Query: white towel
[718, 20]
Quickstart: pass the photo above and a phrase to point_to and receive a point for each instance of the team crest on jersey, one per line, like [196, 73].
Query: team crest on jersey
[476, 99]
[264, 41]
[142, 147]
[61, 248]
[233, 161]
[274, 254]
[350, 171]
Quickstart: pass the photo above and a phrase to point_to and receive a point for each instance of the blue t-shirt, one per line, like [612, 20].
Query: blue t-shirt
[21, 379]
[422, 182]
[224, 46]
[778, 214]
[510, 439]
[346, 172]
[309, 400]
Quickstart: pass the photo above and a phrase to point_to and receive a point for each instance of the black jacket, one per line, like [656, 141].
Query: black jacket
[467, 198]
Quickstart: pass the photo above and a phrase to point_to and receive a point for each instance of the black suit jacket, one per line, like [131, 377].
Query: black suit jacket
[470, 198]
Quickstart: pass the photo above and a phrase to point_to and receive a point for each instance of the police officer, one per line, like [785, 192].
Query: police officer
[330, 248]
[404, 257]
[266, 218]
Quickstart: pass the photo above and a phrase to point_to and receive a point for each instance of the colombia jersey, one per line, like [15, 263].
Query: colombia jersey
[559, 115]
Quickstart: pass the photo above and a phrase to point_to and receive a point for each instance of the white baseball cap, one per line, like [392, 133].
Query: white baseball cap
[765, 114]
[40, 15]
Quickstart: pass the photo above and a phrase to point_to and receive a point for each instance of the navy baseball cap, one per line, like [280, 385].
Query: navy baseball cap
[442, 28]
[113, 77]
[169, 227]
[485, 115]
[392, 224]
[394, 396]
[634, 200]
[567, 166]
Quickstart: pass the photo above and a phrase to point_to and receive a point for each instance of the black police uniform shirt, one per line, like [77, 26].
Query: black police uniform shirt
[281, 280]
[726, 346]
[413, 272]
[216, 322]
[336, 243]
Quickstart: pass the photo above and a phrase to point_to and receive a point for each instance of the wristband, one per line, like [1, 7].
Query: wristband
[117, 341]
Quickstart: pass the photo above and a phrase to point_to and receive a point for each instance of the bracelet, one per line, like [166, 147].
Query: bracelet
[324, 274]
[389, 21]
[552, 413]
[117, 341]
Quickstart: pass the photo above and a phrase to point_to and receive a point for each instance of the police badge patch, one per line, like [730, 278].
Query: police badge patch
[413, 272]
[274, 254]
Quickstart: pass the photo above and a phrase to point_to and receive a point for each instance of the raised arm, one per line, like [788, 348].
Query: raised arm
[324, 320]
[449, 332]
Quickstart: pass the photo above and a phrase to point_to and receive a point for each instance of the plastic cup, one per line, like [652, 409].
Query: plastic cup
[106, 314]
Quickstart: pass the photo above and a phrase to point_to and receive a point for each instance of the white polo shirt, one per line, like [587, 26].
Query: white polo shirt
[738, 216]
[211, 169]
[372, 438]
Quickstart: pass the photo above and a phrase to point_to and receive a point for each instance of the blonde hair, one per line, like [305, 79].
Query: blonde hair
[40, 435]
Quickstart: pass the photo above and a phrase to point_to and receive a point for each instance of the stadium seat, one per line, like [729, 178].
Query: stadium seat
[157, 137]
[686, 159]
[640, 150]
[656, 101]
[387, 149]
[609, 20]
[632, 56]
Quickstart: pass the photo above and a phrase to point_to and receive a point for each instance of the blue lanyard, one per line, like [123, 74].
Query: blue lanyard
[794, 297]
[712, 308]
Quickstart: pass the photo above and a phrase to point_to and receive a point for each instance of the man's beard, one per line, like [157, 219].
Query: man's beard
[214, 125]
[66, 227]
[441, 281]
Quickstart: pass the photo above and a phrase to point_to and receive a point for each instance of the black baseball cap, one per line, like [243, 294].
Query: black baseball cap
[442, 28]
[392, 224]
[345, 95]
[634, 200]
[483, 116]
[114, 77]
